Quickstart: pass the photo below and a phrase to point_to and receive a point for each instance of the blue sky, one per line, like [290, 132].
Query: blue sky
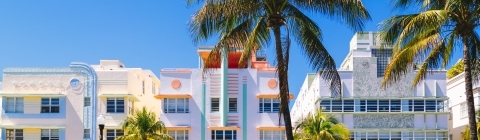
[148, 34]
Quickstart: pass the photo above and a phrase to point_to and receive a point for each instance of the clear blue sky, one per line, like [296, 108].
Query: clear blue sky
[150, 34]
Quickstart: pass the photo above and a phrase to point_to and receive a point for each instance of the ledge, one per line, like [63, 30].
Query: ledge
[270, 95]
[172, 70]
[272, 128]
[32, 94]
[130, 96]
[178, 127]
[160, 96]
[223, 128]
[32, 126]
[396, 129]
[372, 113]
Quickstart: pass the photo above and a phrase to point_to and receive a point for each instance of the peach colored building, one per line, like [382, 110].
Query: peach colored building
[227, 103]
[63, 103]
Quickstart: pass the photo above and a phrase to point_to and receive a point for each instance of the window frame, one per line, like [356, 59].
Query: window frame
[463, 110]
[86, 133]
[271, 102]
[232, 106]
[15, 105]
[271, 134]
[87, 102]
[14, 132]
[115, 133]
[50, 136]
[233, 133]
[215, 106]
[115, 105]
[167, 103]
[50, 105]
[176, 133]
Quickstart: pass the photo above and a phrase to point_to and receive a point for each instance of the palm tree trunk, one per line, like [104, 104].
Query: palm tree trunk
[282, 72]
[469, 90]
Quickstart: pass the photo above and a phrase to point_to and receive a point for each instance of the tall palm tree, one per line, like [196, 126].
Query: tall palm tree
[246, 25]
[320, 126]
[143, 125]
[431, 36]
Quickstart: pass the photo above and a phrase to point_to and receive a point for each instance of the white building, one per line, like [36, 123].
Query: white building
[227, 104]
[63, 103]
[371, 112]
[458, 119]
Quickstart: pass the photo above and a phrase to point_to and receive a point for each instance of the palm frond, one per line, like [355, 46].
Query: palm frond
[350, 12]
[308, 36]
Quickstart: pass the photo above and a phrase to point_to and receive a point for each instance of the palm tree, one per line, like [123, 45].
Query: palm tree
[466, 132]
[143, 125]
[431, 36]
[246, 25]
[320, 126]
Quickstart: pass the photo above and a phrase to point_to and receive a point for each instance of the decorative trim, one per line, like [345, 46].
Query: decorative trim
[178, 128]
[223, 128]
[272, 128]
[32, 126]
[244, 110]
[160, 96]
[203, 109]
[169, 70]
[175, 84]
[31, 95]
[272, 83]
[270, 95]
[126, 95]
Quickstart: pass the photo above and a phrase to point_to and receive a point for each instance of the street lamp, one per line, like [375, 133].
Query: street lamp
[101, 124]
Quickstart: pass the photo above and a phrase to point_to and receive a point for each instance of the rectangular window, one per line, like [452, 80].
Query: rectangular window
[143, 87]
[86, 133]
[130, 107]
[14, 105]
[395, 105]
[176, 105]
[114, 133]
[383, 105]
[337, 106]
[372, 105]
[153, 87]
[50, 105]
[224, 134]
[86, 101]
[50, 134]
[116, 105]
[178, 134]
[232, 105]
[348, 105]
[269, 105]
[325, 105]
[430, 105]
[215, 104]
[418, 105]
[272, 134]
[14, 134]
[463, 110]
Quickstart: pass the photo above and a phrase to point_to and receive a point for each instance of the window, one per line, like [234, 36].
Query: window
[430, 105]
[143, 87]
[86, 133]
[383, 58]
[176, 105]
[395, 105]
[116, 105]
[153, 87]
[463, 110]
[49, 134]
[50, 105]
[86, 101]
[232, 105]
[269, 105]
[130, 107]
[14, 134]
[272, 134]
[224, 134]
[114, 133]
[215, 104]
[178, 134]
[14, 105]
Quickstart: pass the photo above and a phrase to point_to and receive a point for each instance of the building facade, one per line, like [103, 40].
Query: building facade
[63, 103]
[227, 103]
[397, 112]
[458, 118]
